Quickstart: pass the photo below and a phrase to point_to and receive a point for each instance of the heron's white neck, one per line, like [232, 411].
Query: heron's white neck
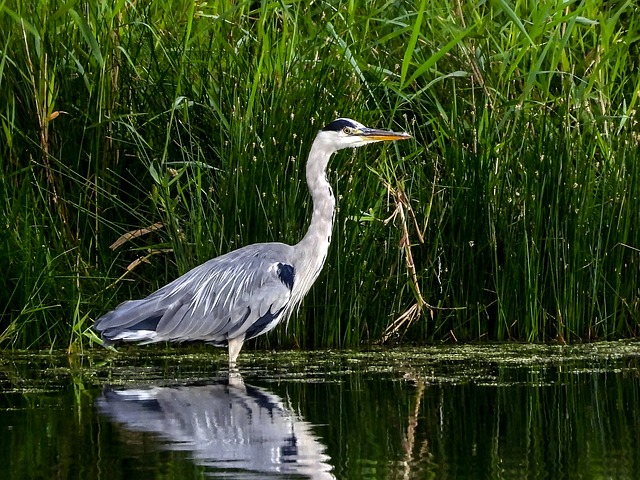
[312, 249]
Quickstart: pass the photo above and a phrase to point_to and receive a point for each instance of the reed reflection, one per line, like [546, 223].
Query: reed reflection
[224, 425]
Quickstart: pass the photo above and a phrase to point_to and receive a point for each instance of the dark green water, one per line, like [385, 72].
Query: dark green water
[491, 411]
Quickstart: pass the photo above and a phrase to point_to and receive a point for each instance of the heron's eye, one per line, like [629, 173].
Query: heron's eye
[347, 130]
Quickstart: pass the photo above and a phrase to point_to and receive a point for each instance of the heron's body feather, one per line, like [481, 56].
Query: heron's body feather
[220, 299]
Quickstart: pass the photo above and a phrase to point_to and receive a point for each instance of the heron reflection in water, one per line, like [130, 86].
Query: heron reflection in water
[246, 292]
[226, 425]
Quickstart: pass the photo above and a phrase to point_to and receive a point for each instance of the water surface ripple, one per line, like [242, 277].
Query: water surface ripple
[455, 411]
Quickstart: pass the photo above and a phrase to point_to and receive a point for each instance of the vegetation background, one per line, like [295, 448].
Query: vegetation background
[140, 138]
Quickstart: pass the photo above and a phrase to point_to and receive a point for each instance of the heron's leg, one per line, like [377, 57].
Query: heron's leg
[235, 345]
[236, 380]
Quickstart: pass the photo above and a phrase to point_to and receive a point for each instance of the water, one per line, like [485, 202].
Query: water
[490, 411]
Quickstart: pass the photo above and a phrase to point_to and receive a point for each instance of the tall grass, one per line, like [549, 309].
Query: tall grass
[181, 128]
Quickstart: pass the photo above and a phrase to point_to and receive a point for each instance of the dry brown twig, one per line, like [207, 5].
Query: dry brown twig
[412, 313]
[135, 234]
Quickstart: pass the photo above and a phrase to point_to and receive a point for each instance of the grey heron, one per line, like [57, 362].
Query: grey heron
[225, 427]
[247, 292]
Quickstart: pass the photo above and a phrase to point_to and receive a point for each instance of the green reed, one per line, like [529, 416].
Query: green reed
[186, 126]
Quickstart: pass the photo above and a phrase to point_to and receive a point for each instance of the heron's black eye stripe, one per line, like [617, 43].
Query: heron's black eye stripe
[340, 124]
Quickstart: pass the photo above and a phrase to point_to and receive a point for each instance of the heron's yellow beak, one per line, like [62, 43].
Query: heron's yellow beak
[382, 135]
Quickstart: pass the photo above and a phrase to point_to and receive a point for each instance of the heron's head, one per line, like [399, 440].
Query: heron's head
[347, 133]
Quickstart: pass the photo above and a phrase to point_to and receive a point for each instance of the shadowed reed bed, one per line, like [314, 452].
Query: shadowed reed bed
[140, 139]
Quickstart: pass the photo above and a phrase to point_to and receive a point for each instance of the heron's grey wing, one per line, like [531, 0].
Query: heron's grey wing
[243, 292]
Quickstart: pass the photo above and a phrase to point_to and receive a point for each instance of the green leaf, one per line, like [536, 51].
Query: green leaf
[431, 61]
[88, 35]
[413, 40]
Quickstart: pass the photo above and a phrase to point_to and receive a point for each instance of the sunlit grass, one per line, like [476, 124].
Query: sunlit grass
[511, 216]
